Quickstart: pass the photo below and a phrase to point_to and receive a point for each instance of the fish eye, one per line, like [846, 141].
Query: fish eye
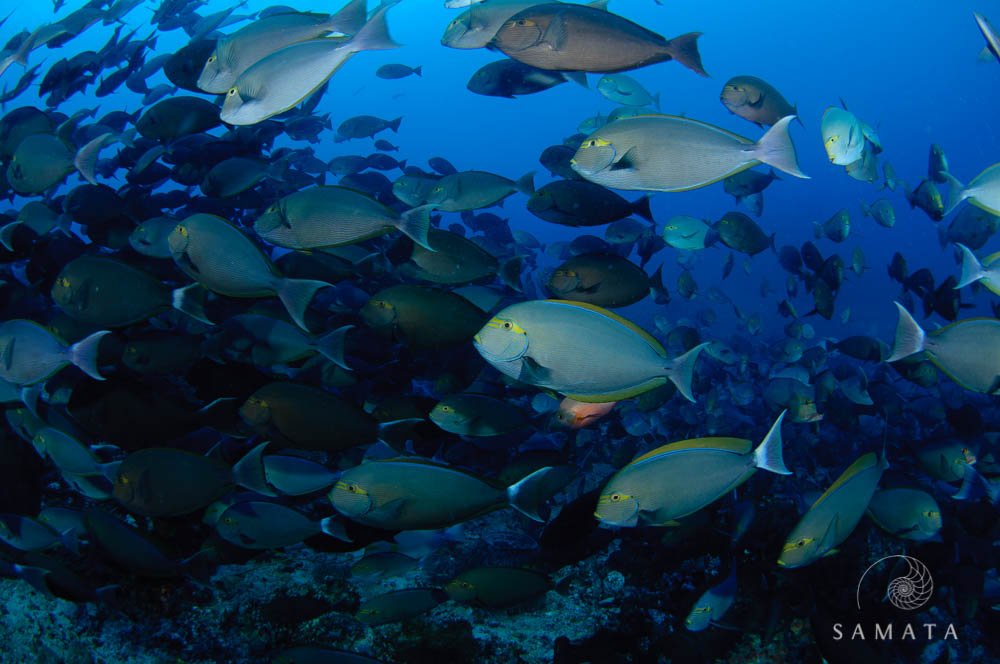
[212, 58]
[833, 139]
[229, 520]
[64, 282]
[616, 497]
[507, 325]
[445, 409]
[232, 92]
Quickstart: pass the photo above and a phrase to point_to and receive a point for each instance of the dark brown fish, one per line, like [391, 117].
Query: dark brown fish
[607, 280]
[755, 100]
[567, 37]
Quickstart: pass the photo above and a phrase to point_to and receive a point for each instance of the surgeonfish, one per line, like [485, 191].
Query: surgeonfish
[671, 153]
[581, 351]
[678, 479]
[968, 351]
[834, 516]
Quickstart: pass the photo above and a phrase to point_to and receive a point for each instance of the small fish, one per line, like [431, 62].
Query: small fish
[713, 604]
[384, 564]
[836, 228]
[928, 198]
[907, 513]
[399, 605]
[992, 38]
[625, 90]
[394, 71]
[497, 587]
[843, 136]
[477, 415]
[162, 481]
[755, 100]
[578, 414]
[262, 525]
[881, 211]
[687, 233]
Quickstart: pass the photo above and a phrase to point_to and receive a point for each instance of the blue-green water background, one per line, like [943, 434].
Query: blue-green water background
[908, 69]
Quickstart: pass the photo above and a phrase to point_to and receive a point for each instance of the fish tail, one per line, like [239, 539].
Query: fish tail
[249, 472]
[374, 35]
[526, 184]
[681, 371]
[190, 300]
[767, 456]
[972, 269]
[956, 194]
[394, 125]
[84, 354]
[975, 486]
[656, 101]
[416, 223]
[334, 527]
[351, 18]
[529, 494]
[684, 49]
[7, 235]
[296, 294]
[331, 346]
[419, 71]
[909, 336]
[775, 148]
[641, 208]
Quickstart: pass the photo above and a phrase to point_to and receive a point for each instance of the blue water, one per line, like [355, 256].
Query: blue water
[913, 75]
[909, 70]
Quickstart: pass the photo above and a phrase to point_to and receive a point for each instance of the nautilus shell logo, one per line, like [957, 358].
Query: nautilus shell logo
[908, 592]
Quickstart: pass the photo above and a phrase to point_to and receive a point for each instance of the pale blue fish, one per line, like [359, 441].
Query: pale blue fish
[713, 604]
[581, 351]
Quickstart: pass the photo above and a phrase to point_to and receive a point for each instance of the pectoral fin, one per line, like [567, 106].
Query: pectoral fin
[532, 372]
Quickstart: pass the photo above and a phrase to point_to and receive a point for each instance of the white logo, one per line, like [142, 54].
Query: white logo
[908, 592]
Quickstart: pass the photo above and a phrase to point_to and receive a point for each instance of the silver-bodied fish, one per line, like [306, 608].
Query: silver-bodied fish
[669, 153]
[581, 351]
[30, 354]
[284, 78]
[679, 479]
[196, 244]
